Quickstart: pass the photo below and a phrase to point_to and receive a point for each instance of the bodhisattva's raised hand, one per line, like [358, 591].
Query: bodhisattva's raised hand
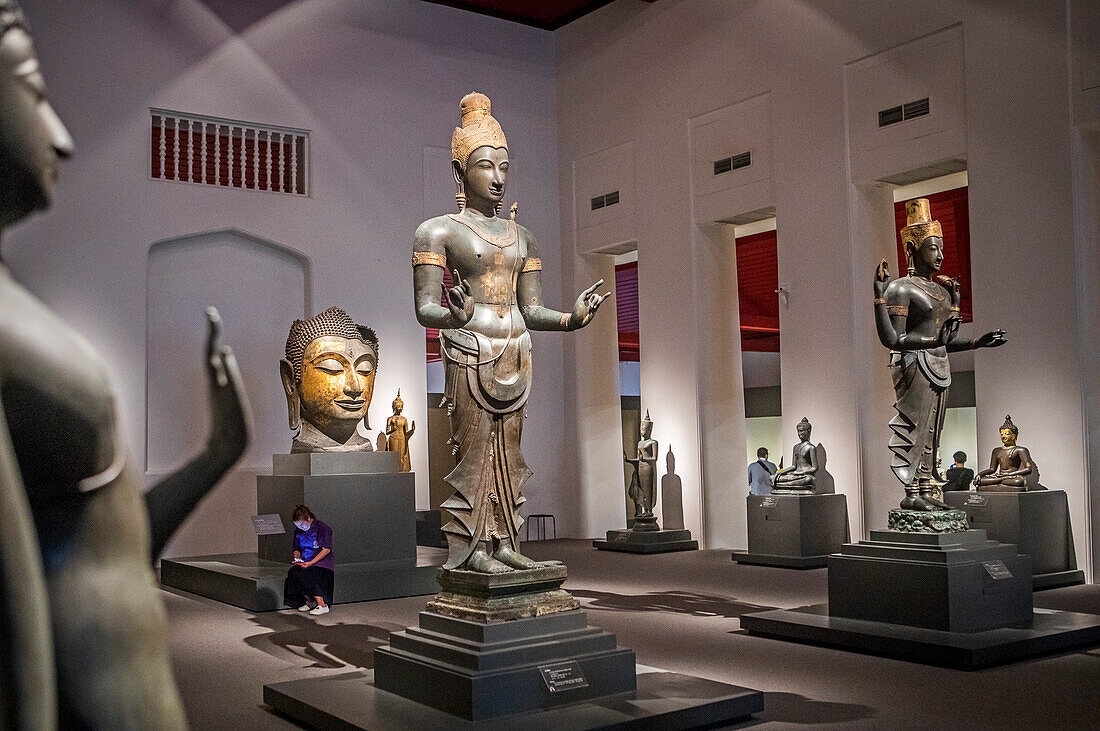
[584, 309]
[459, 299]
[992, 339]
[882, 278]
[230, 423]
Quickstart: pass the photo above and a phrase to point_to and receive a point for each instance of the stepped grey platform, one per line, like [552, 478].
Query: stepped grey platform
[1048, 632]
[954, 599]
[794, 531]
[662, 700]
[1037, 522]
[371, 509]
[649, 541]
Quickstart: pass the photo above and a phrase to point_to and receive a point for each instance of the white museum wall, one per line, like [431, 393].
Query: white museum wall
[376, 83]
[998, 77]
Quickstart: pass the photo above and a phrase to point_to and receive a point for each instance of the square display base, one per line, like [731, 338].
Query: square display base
[650, 541]
[249, 582]
[1037, 522]
[1048, 632]
[662, 700]
[795, 531]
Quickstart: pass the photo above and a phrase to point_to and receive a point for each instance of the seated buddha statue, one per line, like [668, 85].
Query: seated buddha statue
[799, 477]
[1011, 468]
[328, 378]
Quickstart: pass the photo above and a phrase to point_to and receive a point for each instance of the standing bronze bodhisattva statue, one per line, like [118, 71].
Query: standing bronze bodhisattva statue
[83, 642]
[918, 320]
[483, 319]
[643, 486]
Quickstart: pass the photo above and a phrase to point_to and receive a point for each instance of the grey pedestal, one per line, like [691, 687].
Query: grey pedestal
[662, 701]
[794, 531]
[372, 513]
[650, 541]
[1036, 522]
[953, 599]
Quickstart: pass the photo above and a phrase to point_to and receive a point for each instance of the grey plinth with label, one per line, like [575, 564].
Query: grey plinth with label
[794, 531]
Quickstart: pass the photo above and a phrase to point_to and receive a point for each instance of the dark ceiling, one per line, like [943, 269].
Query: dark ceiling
[545, 14]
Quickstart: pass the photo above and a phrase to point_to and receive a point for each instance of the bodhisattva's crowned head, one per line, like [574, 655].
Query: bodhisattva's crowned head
[1009, 432]
[328, 373]
[647, 426]
[922, 238]
[479, 153]
[32, 137]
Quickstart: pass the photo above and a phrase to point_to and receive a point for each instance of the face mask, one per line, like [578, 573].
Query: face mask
[302, 526]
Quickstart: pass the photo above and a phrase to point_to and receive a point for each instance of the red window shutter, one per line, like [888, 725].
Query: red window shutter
[757, 280]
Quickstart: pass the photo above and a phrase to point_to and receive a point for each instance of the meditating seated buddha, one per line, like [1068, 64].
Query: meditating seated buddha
[328, 378]
[1011, 468]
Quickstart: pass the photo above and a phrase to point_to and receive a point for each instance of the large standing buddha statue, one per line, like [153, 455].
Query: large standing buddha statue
[484, 318]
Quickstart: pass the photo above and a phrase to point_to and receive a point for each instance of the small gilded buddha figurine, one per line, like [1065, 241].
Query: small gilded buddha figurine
[483, 321]
[643, 486]
[398, 432]
[1011, 468]
[800, 476]
[328, 379]
[917, 318]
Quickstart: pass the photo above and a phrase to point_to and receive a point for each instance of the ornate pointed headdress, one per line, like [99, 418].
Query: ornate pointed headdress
[478, 129]
[1010, 426]
[918, 223]
[647, 420]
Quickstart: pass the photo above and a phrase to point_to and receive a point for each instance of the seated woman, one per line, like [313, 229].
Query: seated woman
[310, 576]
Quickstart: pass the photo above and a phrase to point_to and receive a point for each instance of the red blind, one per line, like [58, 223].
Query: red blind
[626, 310]
[952, 210]
[757, 280]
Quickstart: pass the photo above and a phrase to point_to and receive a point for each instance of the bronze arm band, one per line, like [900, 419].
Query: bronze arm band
[565, 321]
[429, 257]
[532, 265]
[898, 309]
[879, 301]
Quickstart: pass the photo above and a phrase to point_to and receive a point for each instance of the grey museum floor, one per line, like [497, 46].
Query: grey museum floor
[679, 612]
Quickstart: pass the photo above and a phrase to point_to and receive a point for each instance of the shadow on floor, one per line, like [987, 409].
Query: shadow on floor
[794, 708]
[682, 602]
[296, 636]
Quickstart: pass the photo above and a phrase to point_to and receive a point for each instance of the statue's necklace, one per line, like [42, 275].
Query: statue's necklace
[503, 241]
[934, 292]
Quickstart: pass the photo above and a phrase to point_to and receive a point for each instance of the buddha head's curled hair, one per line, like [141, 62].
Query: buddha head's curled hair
[332, 321]
[11, 16]
[479, 128]
[1010, 426]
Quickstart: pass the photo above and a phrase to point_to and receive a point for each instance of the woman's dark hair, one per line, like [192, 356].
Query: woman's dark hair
[301, 512]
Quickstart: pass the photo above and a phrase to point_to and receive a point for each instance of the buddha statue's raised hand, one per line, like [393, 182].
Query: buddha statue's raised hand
[584, 309]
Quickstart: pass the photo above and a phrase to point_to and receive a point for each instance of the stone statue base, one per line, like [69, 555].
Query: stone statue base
[645, 523]
[927, 521]
[479, 597]
[792, 491]
[794, 531]
[1002, 488]
[1037, 522]
[647, 541]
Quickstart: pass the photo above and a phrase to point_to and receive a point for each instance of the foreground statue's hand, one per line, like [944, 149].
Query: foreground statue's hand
[229, 412]
[882, 278]
[992, 339]
[460, 300]
[584, 309]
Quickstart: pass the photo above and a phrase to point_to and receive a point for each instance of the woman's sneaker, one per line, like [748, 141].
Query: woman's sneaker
[305, 607]
[317, 611]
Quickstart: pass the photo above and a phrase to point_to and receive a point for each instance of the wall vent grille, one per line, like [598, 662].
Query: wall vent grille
[726, 164]
[605, 200]
[194, 148]
[903, 112]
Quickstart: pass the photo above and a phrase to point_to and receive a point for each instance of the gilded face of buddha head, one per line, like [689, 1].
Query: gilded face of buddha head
[398, 404]
[1008, 437]
[328, 374]
[32, 137]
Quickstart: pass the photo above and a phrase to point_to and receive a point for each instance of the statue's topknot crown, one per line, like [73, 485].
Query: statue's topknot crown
[918, 223]
[478, 129]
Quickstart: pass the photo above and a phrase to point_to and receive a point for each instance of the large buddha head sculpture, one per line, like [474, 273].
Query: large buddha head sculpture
[328, 378]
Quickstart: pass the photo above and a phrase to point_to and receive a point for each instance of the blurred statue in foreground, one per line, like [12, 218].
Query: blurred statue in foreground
[1011, 468]
[918, 320]
[800, 476]
[484, 317]
[398, 432]
[643, 485]
[82, 631]
[328, 378]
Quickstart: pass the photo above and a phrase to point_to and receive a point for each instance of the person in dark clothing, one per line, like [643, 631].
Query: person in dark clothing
[311, 575]
[958, 476]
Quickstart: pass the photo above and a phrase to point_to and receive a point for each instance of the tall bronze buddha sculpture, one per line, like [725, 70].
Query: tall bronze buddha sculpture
[484, 318]
[917, 318]
[643, 486]
[398, 432]
[328, 379]
[82, 632]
